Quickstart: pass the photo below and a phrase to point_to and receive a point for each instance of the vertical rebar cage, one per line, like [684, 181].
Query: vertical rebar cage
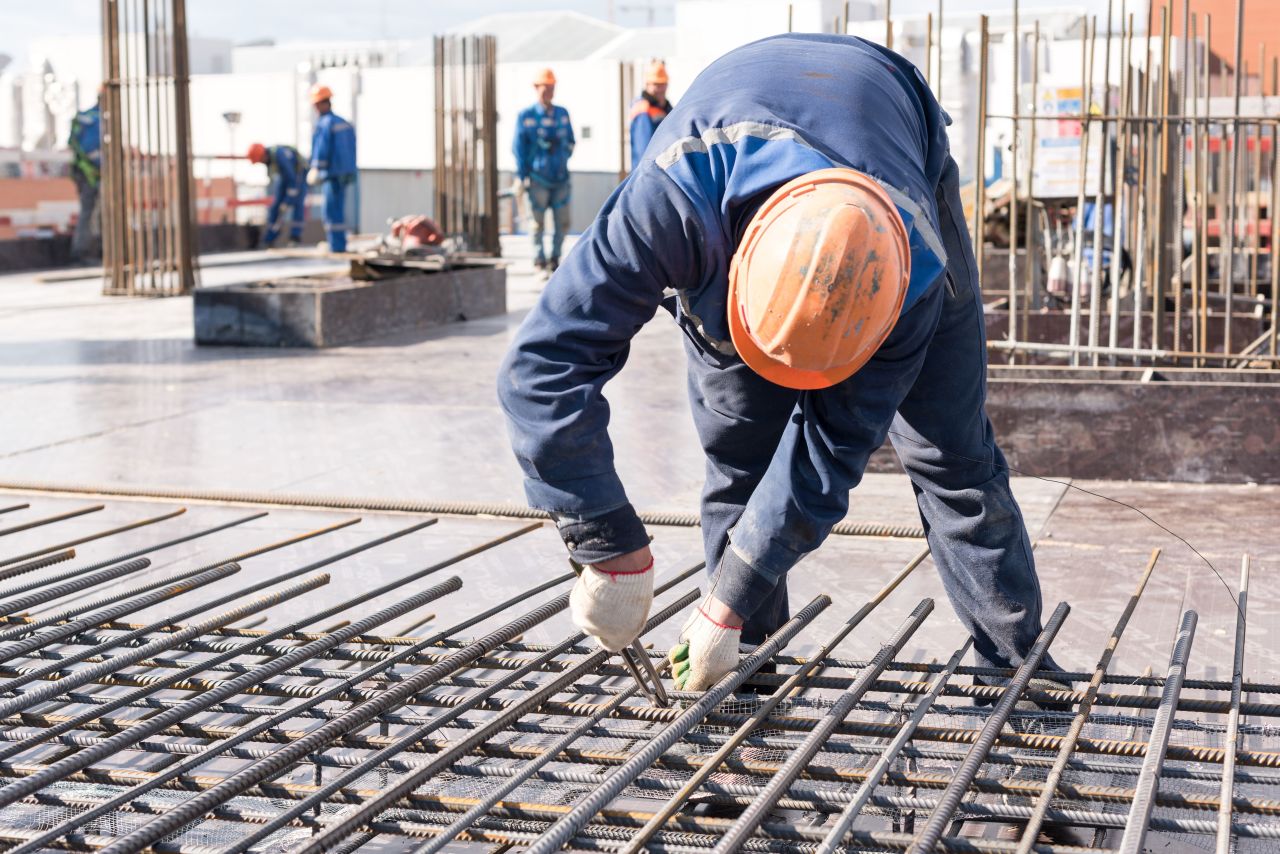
[148, 236]
[466, 161]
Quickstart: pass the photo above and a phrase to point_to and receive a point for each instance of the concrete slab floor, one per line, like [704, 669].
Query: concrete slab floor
[113, 391]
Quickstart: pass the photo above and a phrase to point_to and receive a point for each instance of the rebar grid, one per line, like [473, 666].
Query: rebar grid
[192, 733]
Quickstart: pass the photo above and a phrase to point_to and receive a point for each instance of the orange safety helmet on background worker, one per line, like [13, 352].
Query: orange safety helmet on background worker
[817, 262]
[649, 109]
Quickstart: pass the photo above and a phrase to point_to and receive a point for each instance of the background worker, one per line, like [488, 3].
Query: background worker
[85, 142]
[287, 171]
[333, 166]
[649, 110]
[543, 145]
[803, 206]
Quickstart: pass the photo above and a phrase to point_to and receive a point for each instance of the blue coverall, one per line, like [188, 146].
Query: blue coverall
[780, 462]
[288, 172]
[86, 171]
[333, 154]
[646, 115]
[543, 145]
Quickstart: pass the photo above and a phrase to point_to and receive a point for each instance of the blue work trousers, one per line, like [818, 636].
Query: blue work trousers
[553, 197]
[338, 203]
[925, 389]
[287, 204]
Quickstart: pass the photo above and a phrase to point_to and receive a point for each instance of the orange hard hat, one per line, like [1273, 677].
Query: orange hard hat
[321, 92]
[818, 280]
[656, 73]
[545, 77]
[257, 153]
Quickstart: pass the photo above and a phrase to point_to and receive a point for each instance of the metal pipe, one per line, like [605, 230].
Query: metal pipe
[927, 840]
[1160, 247]
[779, 784]
[1135, 832]
[1226, 259]
[766, 708]
[1232, 740]
[1100, 201]
[564, 829]
[392, 505]
[1028, 240]
[1031, 832]
[1087, 39]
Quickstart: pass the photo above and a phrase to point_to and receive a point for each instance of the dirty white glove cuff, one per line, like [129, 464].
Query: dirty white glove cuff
[313, 176]
[707, 652]
[612, 606]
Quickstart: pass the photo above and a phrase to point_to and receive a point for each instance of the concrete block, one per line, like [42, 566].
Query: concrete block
[326, 311]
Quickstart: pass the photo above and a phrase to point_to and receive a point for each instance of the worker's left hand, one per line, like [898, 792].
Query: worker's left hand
[708, 647]
[417, 230]
[611, 599]
[313, 177]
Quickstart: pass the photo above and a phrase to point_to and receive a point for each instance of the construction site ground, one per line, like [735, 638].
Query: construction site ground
[113, 391]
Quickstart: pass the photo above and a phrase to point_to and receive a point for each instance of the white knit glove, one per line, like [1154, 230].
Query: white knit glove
[612, 607]
[707, 651]
[313, 176]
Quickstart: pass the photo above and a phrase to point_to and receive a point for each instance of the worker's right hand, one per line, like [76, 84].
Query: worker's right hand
[708, 647]
[313, 177]
[611, 599]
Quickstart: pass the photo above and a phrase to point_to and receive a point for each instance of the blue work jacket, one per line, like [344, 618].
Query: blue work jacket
[543, 145]
[646, 115]
[333, 147]
[86, 143]
[753, 120]
[287, 169]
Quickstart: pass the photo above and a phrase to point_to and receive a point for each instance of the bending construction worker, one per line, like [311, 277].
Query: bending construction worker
[801, 208]
[86, 171]
[544, 143]
[288, 173]
[333, 165]
[649, 110]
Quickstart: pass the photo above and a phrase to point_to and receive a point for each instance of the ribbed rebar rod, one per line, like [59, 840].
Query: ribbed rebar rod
[110, 532]
[766, 708]
[39, 563]
[1232, 740]
[49, 520]
[323, 735]
[1135, 833]
[1031, 832]
[778, 785]
[860, 798]
[165, 588]
[13, 507]
[71, 764]
[72, 573]
[241, 649]
[447, 757]
[936, 826]
[56, 590]
[563, 830]
[131, 655]
[400, 505]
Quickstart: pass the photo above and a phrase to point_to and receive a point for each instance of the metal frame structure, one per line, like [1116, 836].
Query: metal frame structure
[147, 194]
[193, 731]
[466, 153]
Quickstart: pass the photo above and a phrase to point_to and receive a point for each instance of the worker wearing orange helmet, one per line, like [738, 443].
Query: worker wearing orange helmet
[799, 216]
[287, 173]
[543, 145]
[333, 167]
[649, 110]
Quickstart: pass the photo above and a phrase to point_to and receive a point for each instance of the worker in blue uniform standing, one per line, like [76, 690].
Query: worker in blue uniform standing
[333, 165]
[798, 214]
[85, 142]
[543, 145]
[287, 172]
[649, 110]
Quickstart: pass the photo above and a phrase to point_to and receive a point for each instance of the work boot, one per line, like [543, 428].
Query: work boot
[553, 265]
[539, 263]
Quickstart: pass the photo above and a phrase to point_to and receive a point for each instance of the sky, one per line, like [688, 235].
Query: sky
[300, 20]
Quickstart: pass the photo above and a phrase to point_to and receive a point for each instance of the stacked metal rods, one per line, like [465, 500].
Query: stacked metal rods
[466, 154]
[1179, 266]
[192, 731]
[147, 203]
